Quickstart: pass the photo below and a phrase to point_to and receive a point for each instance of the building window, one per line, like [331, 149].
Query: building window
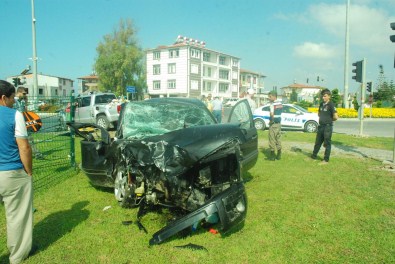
[56, 91]
[234, 75]
[244, 78]
[171, 68]
[171, 84]
[156, 55]
[206, 71]
[156, 85]
[195, 53]
[254, 80]
[194, 85]
[206, 56]
[207, 86]
[156, 69]
[40, 91]
[223, 87]
[224, 74]
[174, 53]
[235, 63]
[195, 68]
[222, 60]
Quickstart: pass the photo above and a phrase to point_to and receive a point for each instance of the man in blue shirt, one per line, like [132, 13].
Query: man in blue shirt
[16, 189]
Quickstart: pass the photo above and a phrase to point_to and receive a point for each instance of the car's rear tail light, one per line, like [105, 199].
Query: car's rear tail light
[118, 108]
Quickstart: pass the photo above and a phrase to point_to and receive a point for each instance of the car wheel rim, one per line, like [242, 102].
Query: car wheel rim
[311, 127]
[101, 122]
[120, 186]
[258, 124]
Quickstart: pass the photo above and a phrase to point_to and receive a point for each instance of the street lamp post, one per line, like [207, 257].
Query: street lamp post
[35, 81]
[345, 95]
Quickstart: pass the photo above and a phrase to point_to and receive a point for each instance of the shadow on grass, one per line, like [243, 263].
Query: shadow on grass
[4, 259]
[343, 147]
[56, 225]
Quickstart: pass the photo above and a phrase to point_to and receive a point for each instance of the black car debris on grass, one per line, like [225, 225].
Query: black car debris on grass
[171, 152]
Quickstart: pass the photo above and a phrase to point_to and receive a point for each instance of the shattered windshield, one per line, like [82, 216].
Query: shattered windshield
[143, 119]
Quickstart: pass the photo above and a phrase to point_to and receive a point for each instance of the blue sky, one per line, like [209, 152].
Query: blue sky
[285, 40]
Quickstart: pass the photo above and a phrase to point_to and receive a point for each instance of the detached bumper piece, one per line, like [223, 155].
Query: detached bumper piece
[230, 205]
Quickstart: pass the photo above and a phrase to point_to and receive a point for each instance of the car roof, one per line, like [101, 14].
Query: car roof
[88, 95]
[183, 100]
[268, 104]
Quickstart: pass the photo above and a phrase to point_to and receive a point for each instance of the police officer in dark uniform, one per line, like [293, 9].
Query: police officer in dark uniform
[276, 109]
[327, 114]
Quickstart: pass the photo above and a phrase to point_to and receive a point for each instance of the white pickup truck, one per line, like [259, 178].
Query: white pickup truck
[98, 108]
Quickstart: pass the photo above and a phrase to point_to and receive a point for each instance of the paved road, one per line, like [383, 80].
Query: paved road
[379, 127]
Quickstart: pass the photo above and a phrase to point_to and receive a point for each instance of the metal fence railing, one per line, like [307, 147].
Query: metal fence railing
[53, 145]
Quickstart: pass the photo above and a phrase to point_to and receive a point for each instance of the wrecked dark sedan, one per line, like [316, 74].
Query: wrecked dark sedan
[171, 152]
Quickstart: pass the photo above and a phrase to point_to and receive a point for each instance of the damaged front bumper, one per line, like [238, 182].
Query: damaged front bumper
[230, 206]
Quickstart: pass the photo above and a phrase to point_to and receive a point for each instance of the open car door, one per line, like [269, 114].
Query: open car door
[94, 148]
[241, 113]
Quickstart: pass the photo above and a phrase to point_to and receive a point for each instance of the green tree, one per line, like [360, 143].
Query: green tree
[317, 98]
[385, 90]
[120, 61]
[294, 96]
[335, 97]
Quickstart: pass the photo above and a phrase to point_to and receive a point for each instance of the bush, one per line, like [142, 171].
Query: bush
[352, 113]
[48, 108]
[304, 104]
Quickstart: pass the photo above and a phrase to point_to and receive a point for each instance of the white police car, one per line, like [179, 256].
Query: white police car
[293, 117]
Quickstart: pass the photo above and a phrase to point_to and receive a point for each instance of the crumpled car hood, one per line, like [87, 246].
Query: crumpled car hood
[176, 151]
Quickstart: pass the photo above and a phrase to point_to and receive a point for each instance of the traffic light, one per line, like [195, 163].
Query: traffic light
[358, 71]
[392, 37]
[15, 81]
[369, 87]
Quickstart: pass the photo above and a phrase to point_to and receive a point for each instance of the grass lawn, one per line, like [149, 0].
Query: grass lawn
[299, 212]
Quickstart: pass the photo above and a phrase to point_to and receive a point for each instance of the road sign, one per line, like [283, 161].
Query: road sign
[130, 89]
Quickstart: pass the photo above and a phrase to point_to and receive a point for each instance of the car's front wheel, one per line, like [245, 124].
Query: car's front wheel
[259, 124]
[311, 127]
[122, 190]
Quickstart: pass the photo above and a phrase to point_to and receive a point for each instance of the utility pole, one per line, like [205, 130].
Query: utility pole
[345, 95]
[363, 91]
[360, 69]
[35, 81]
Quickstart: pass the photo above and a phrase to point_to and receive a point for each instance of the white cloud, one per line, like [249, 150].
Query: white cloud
[314, 50]
[369, 27]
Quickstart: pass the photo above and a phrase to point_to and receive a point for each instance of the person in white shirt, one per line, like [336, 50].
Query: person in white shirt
[217, 109]
[250, 98]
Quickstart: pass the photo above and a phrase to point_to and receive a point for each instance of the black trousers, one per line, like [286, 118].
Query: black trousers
[324, 135]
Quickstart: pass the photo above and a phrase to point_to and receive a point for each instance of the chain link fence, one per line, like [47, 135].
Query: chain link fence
[53, 145]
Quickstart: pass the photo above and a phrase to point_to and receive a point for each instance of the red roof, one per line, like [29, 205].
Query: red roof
[92, 77]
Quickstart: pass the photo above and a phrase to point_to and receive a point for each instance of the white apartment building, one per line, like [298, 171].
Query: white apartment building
[253, 80]
[48, 86]
[188, 69]
[305, 92]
